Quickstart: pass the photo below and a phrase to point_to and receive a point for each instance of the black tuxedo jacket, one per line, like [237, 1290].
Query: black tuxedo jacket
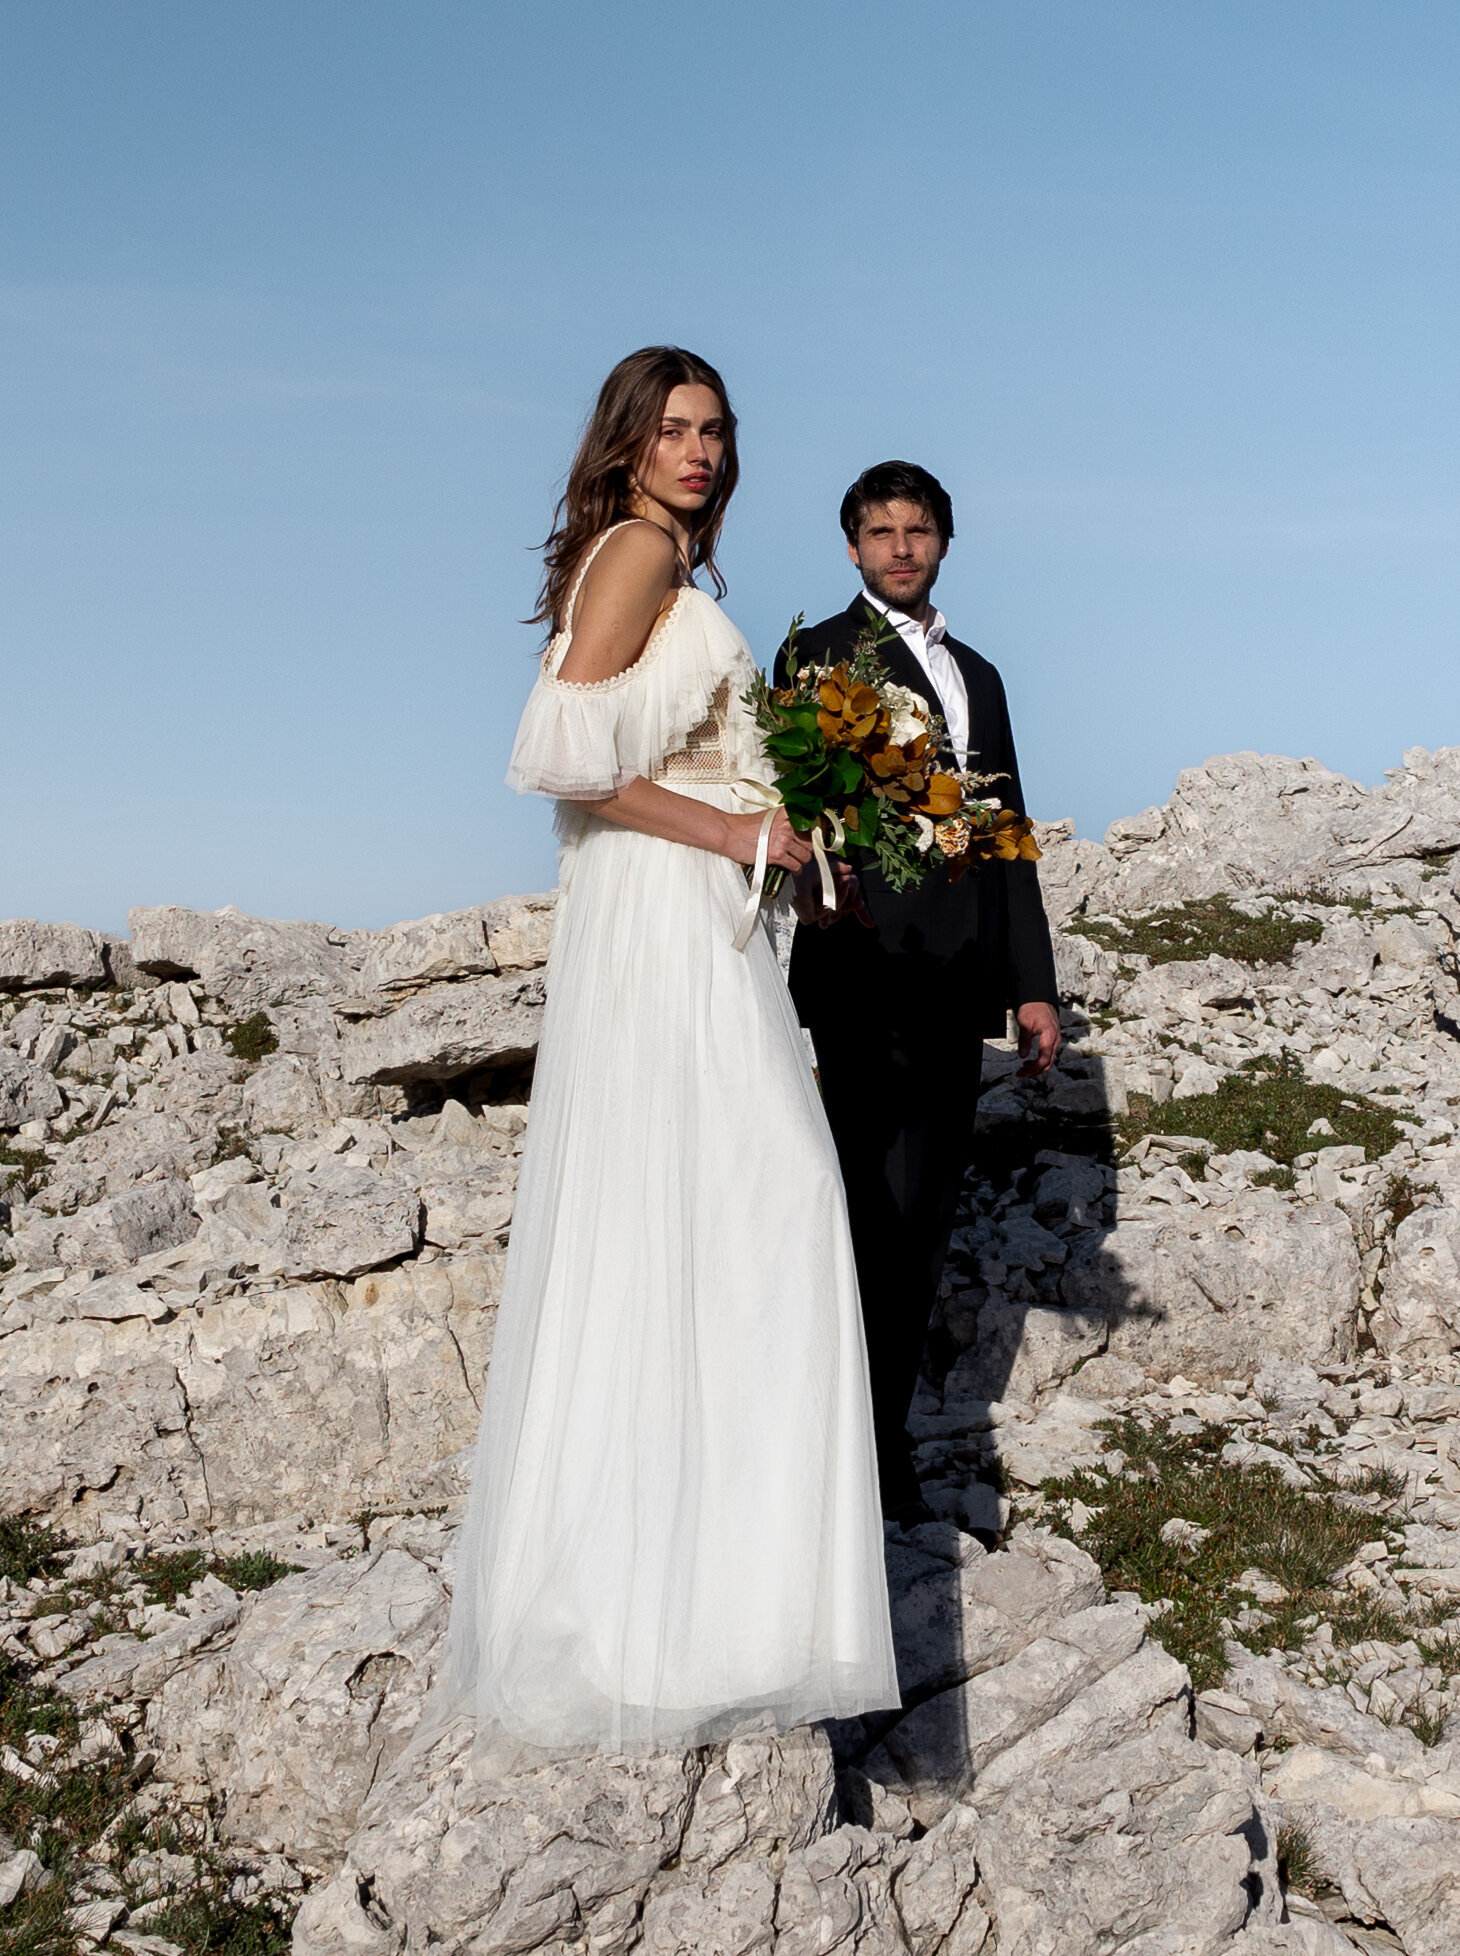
[945, 958]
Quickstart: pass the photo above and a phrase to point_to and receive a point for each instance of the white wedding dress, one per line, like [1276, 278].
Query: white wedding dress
[674, 1532]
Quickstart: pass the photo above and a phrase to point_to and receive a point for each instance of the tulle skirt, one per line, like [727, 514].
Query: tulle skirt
[674, 1532]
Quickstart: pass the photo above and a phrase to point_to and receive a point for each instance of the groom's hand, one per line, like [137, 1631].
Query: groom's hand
[849, 902]
[1039, 1038]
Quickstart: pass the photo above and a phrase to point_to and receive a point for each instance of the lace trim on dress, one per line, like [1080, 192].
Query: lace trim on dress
[553, 658]
[705, 755]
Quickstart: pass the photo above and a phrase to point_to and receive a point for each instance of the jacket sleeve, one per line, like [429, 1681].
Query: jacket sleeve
[1030, 974]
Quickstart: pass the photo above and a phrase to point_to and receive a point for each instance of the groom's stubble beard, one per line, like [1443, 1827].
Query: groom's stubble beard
[905, 599]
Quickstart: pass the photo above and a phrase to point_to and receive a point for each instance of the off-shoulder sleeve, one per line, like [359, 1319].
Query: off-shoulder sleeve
[586, 742]
[576, 744]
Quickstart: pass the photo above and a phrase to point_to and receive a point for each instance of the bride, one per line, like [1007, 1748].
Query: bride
[674, 1532]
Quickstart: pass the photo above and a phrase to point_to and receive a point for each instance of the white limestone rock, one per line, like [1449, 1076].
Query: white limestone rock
[1146, 1844]
[247, 962]
[1265, 821]
[940, 1748]
[960, 1613]
[936, 1890]
[534, 1859]
[108, 1236]
[130, 1150]
[1071, 873]
[317, 1691]
[519, 930]
[1306, 1715]
[1086, 971]
[1300, 1935]
[27, 1092]
[342, 1220]
[448, 1031]
[298, 1400]
[1072, 1190]
[124, 1666]
[22, 1872]
[282, 1096]
[1022, 1349]
[33, 954]
[473, 1206]
[1342, 959]
[409, 956]
[1393, 1858]
[1419, 1309]
[1215, 1292]
[1183, 986]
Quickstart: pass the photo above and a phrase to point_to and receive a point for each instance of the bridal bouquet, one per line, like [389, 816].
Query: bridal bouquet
[855, 759]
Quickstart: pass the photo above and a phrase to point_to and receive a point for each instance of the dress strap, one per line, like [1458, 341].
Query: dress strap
[583, 569]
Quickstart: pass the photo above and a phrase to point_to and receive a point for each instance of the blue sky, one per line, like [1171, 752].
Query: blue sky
[301, 307]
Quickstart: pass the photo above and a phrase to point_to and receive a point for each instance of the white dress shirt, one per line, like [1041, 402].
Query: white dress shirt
[928, 648]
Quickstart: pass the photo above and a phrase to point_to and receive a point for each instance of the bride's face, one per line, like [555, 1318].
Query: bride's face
[683, 461]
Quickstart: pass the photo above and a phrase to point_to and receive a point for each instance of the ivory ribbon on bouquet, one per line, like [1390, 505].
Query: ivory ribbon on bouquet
[769, 798]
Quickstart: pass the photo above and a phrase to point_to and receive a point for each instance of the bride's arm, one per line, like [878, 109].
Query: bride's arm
[628, 589]
[652, 810]
[624, 595]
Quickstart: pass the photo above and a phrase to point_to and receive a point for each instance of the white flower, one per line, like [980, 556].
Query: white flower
[909, 713]
[925, 833]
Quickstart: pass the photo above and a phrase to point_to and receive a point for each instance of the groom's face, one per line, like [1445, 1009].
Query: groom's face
[898, 551]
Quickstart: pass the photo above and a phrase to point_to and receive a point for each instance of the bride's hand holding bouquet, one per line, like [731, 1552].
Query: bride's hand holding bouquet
[856, 763]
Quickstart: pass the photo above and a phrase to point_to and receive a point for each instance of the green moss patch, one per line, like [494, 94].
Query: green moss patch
[1253, 1519]
[1210, 927]
[61, 1807]
[1268, 1106]
[252, 1039]
[172, 1574]
[62, 1810]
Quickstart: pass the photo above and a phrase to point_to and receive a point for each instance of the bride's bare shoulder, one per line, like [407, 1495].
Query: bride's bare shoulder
[635, 552]
[623, 595]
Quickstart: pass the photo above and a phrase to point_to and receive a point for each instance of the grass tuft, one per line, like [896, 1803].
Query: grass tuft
[1402, 1197]
[1383, 1483]
[1281, 1177]
[252, 1039]
[210, 1923]
[1297, 1861]
[255, 1570]
[31, 1164]
[30, 1548]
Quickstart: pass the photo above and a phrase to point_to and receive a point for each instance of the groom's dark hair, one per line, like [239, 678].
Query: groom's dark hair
[897, 482]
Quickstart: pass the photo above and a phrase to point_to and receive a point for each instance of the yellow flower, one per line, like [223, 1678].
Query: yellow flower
[850, 714]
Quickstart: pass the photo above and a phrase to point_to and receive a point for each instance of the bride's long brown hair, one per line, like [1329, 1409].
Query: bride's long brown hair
[600, 487]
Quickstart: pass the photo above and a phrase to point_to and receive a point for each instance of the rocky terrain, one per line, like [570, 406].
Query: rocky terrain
[1180, 1657]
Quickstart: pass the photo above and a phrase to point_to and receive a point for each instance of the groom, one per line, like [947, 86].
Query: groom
[900, 991]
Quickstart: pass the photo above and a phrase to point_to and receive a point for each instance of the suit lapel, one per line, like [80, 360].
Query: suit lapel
[896, 654]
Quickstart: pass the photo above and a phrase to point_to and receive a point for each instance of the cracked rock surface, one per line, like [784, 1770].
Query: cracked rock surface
[256, 1182]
